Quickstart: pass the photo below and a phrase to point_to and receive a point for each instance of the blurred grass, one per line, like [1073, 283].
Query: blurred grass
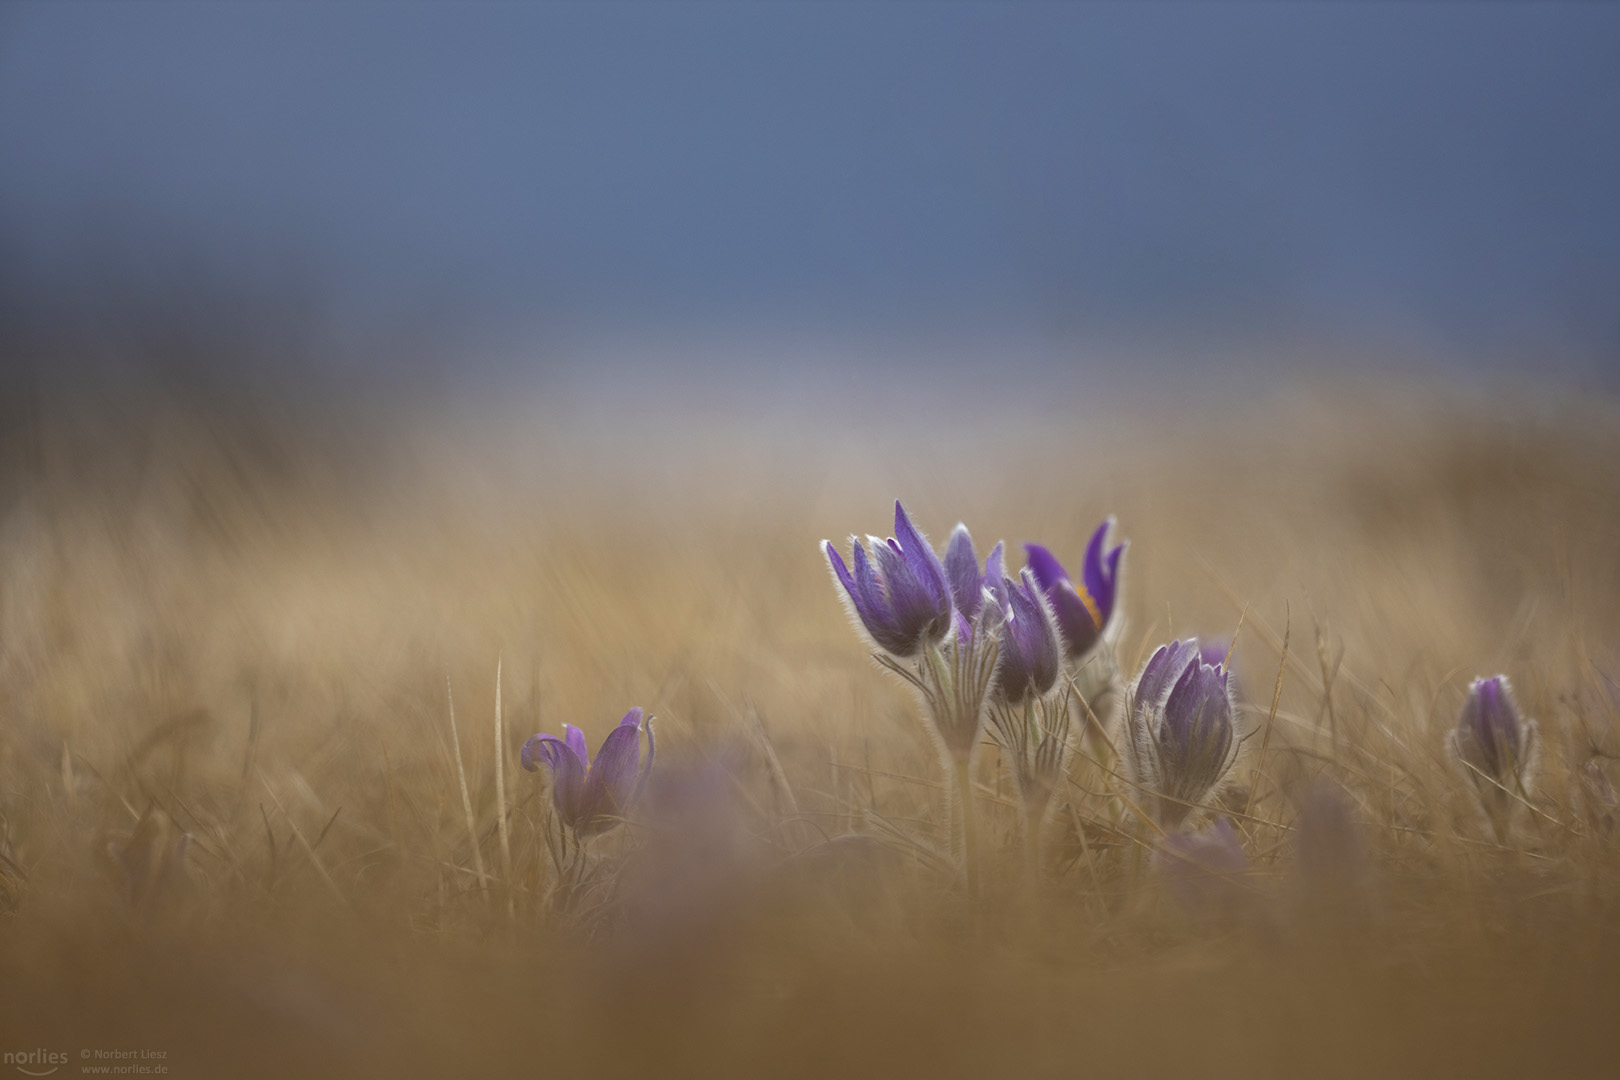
[233, 619]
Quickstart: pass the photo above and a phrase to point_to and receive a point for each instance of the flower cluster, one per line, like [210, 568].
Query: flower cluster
[982, 646]
[1007, 654]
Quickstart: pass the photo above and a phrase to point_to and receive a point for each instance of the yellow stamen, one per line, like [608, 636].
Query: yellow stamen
[1091, 605]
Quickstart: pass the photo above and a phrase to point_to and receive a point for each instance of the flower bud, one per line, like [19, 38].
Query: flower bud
[1181, 744]
[904, 600]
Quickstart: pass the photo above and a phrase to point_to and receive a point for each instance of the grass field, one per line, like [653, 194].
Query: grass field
[232, 822]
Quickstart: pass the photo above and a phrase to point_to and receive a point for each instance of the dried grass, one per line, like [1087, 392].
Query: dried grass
[190, 644]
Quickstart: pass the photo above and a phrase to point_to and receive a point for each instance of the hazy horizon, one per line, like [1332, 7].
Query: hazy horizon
[1175, 182]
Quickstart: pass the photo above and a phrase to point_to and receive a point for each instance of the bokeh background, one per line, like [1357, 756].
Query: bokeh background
[717, 189]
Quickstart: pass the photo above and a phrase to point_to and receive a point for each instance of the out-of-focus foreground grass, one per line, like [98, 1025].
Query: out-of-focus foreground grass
[236, 623]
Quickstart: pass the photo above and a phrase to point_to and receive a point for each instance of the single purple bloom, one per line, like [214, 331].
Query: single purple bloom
[1205, 870]
[1331, 871]
[1030, 654]
[591, 797]
[1182, 745]
[693, 877]
[1497, 748]
[1083, 609]
[1162, 670]
[1197, 731]
[962, 569]
[1327, 840]
[904, 600]
[1490, 733]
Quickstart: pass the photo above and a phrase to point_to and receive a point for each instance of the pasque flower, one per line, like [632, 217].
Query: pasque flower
[1030, 656]
[1332, 876]
[1497, 749]
[1490, 735]
[968, 583]
[1181, 744]
[900, 593]
[1084, 608]
[1207, 871]
[592, 796]
[934, 628]
[930, 622]
[1030, 723]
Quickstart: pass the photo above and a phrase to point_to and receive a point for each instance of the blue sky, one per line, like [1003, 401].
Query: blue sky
[1443, 170]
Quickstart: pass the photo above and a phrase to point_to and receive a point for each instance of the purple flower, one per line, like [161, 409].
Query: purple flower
[1181, 744]
[1327, 840]
[962, 571]
[1083, 610]
[1496, 747]
[592, 797]
[1205, 871]
[1490, 735]
[1214, 653]
[1332, 877]
[1030, 655]
[904, 601]
[1029, 722]
[935, 630]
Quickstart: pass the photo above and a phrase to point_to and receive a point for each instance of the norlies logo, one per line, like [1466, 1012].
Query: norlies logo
[36, 1062]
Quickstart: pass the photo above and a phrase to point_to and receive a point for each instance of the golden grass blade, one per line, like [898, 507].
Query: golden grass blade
[466, 798]
[1276, 696]
[500, 794]
[309, 849]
